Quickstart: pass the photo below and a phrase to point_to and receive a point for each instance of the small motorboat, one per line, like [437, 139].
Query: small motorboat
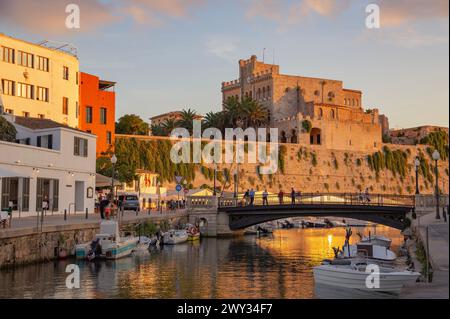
[193, 232]
[173, 237]
[107, 244]
[355, 275]
[373, 253]
[251, 231]
[377, 240]
[262, 231]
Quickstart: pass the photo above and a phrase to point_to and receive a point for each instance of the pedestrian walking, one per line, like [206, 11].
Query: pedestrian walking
[246, 197]
[252, 196]
[265, 195]
[280, 196]
[292, 196]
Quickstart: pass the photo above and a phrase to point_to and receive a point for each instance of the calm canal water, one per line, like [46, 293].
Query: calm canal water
[244, 267]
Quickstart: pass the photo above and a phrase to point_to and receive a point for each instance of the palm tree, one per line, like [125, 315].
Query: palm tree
[233, 110]
[215, 119]
[256, 115]
[168, 125]
[187, 119]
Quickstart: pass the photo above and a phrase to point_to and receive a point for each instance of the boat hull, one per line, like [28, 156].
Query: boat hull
[391, 282]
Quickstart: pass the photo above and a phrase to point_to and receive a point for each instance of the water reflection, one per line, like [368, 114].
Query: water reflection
[244, 267]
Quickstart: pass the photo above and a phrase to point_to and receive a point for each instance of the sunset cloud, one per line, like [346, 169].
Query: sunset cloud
[400, 12]
[48, 16]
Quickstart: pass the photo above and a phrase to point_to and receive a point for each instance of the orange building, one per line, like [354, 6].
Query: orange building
[97, 110]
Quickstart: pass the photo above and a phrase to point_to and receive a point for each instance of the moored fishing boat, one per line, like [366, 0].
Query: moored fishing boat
[193, 232]
[355, 276]
[377, 240]
[173, 237]
[107, 244]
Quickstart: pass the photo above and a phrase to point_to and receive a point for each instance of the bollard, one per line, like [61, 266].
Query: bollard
[86, 213]
[65, 214]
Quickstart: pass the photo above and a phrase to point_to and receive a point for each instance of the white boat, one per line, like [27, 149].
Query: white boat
[355, 276]
[373, 253]
[107, 244]
[173, 237]
[377, 240]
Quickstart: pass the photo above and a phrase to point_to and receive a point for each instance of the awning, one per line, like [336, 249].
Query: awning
[105, 181]
[11, 173]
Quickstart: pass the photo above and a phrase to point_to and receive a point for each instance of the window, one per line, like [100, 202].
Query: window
[42, 63]
[76, 77]
[65, 73]
[333, 114]
[8, 55]
[9, 111]
[88, 114]
[77, 109]
[345, 101]
[268, 91]
[108, 138]
[8, 87]
[102, 115]
[42, 94]
[25, 194]
[24, 141]
[26, 114]
[25, 90]
[25, 59]
[65, 108]
[80, 147]
[45, 141]
[41, 116]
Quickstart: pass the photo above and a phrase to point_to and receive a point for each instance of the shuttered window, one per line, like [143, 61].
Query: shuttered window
[25, 194]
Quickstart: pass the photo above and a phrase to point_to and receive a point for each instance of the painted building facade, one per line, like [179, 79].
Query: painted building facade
[336, 114]
[39, 80]
[98, 110]
[49, 165]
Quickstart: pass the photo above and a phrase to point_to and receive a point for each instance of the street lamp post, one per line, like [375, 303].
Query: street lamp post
[416, 167]
[113, 162]
[215, 174]
[235, 175]
[436, 156]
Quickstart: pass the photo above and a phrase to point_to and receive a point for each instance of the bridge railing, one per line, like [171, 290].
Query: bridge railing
[319, 199]
[206, 202]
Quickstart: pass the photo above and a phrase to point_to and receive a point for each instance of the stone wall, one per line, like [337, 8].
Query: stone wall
[25, 246]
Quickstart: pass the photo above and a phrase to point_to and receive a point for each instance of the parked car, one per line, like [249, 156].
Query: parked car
[129, 202]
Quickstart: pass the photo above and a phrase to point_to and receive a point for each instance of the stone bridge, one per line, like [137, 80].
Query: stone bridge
[223, 215]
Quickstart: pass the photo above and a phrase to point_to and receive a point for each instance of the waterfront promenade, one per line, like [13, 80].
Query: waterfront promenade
[438, 248]
[30, 224]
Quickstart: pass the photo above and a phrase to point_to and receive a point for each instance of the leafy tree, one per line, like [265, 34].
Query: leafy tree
[157, 130]
[255, 114]
[132, 124]
[7, 131]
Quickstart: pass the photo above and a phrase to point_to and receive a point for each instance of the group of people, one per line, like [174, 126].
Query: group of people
[249, 197]
[364, 198]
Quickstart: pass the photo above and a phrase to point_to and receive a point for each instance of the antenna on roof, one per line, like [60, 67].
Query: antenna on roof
[273, 56]
[264, 54]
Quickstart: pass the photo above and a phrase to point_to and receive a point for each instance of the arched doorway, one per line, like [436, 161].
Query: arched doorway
[283, 137]
[294, 136]
[315, 137]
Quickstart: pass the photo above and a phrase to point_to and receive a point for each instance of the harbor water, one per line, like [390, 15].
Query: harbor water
[278, 266]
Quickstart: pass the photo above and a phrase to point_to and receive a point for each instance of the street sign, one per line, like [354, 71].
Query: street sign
[186, 190]
[178, 179]
[178, 188]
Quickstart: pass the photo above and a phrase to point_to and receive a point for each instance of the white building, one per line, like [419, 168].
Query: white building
[50, 163]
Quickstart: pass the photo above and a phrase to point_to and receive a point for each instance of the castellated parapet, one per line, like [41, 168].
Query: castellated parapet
[338, 119]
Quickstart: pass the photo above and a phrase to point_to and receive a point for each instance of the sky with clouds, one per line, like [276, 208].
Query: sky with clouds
[173, 54]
